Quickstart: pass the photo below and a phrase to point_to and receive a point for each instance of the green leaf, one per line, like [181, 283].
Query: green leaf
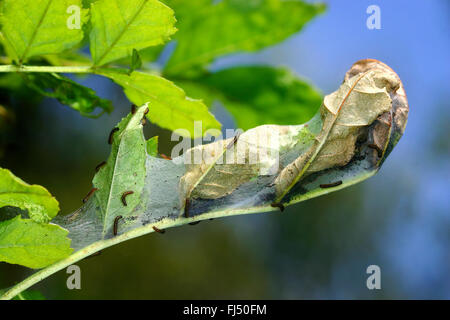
[259, 95]
[118, 27]
[152, 146]
[68, 92]
[32, 244]
[41, 206]
[124, 171]
[208, 31]
[87, 3]
[37, 27]
[169, 108]
[136, 61]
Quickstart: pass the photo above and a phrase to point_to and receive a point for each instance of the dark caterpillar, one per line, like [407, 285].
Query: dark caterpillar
[278, 205]
[330, 185]
[377, 148]
[124, 195]
[165, 157]
[99, 166]
[90, 193]
[116, 224]
[111, 135]
[235, 139]
[158, 230]
[186, 208]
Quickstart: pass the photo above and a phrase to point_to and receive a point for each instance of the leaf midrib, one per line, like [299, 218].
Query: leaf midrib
[35, 31]
[110, 190]
[112, 184]
[108, 50]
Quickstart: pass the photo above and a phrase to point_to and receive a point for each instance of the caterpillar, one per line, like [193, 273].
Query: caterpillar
[377, 148]
[235, 139]
[124, 195]
[165, 157]
[278, 205]
[111, 134]
[158, 230]
[94, 254]
[186, 208]
[330, 185]
[90, 193]
[99, 166]
[116, 224]
[144, 119]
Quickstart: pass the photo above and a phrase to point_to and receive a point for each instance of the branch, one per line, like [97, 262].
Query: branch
[55, 69]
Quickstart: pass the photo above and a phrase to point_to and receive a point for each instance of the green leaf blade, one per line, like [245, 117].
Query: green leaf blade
[123, 172]
[37, 27]
[257, 95]
[41, 206]
[68, 92]
[31, 244]
[170, 107]
[210, 31]
[118, 27]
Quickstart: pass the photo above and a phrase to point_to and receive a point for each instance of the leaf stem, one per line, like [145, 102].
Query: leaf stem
[56, 69]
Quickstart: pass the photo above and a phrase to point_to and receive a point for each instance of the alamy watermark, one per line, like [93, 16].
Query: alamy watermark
[74, 20]
[374, 20]
[374, 280]
[74, 280]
